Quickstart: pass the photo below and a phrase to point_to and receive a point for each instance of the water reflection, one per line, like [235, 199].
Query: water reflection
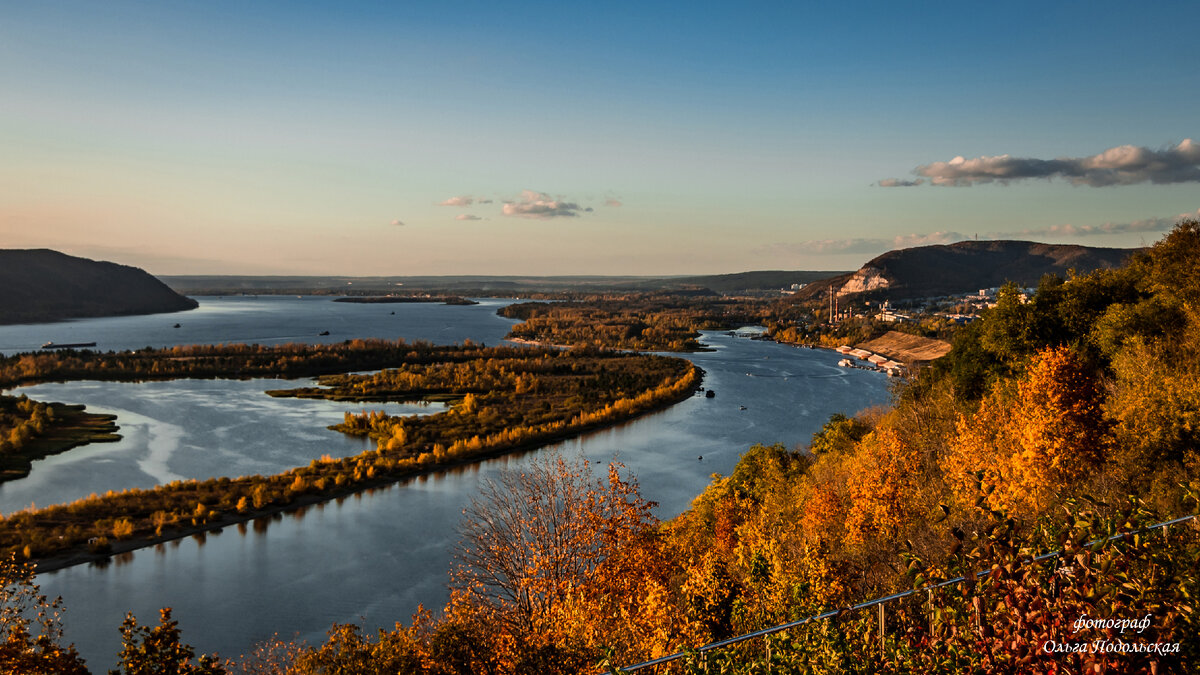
[372, 559]
[183, 429]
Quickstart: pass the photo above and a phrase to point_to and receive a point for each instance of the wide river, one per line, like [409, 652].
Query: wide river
[372, 558]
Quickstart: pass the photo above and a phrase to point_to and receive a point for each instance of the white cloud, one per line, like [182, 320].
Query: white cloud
[397, 223]
[467, 216]
[1137, 226]
[900, 182]
[876, 245]
[540, 205]
[869, 244]
[463, 200]
[1122, 165]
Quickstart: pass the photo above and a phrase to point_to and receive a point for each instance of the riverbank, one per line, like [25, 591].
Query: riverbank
[79, 553]
[511, 398]
[71, 427]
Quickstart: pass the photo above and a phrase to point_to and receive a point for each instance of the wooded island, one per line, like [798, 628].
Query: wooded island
[506, 399]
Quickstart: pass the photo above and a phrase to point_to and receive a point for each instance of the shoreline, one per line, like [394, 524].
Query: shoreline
[79, 555]
[73, 427]
[538, 343]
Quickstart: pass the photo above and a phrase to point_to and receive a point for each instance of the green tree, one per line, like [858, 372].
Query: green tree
[839, 434]
[1173, 271]
[1008, 328]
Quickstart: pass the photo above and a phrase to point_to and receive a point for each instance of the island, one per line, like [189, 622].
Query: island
[32, 430]
[504, 399]
[386, 299]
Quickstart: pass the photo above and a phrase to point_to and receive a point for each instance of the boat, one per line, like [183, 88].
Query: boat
[67, 345]
[710, 394]
[175, 326]
[324, 332]
[846, 363]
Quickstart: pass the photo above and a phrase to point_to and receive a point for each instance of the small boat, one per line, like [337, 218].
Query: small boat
[845, 363]
[67, 345]
[710, 394]
[324, 332]
[741, 407]
[176, 326]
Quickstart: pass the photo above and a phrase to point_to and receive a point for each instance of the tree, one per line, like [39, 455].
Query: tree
[32, 627]
[1060, 425]
[158, 650]
[552, 560]
[1008, 328]
[1173, 268]
[839, 434]
[537, 534]
[349, 652]
[1034, 438]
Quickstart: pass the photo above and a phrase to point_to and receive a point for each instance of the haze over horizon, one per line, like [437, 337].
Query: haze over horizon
[314, 138]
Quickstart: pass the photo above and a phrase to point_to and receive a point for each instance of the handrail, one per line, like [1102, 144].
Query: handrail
[880, 601]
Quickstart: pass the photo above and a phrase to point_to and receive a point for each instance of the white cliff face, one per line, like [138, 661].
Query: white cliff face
[866, 279]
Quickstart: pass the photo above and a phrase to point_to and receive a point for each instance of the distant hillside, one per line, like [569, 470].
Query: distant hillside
[476, 285]
[39, 285]
[750, 281]
[966, 267]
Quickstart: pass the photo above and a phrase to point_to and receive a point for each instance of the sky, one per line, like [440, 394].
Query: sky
[406, 138]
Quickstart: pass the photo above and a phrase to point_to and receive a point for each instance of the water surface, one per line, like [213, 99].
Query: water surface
[373, 558]
[270, 320]
[188, 429]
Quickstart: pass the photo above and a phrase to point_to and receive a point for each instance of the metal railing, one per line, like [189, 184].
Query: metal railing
[880, 602]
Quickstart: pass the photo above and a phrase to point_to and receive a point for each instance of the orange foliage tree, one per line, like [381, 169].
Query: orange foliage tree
[559, 565]
[1032, 440]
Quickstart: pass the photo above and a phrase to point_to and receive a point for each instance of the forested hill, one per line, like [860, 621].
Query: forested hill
[968, 266]
[42, 285]
[744, 281]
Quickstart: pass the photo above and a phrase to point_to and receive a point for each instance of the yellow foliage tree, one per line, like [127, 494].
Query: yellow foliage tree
[1029, 441]
[883, 487]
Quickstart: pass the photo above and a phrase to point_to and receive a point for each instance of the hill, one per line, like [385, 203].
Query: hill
[967, 266]
[38, 285]
[751, 281]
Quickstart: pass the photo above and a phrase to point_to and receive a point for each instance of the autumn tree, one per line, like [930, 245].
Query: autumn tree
[1060, 424]
[159, 650]
[32, 627]
[1031, 439]
[348, 652]
[538, 546]
[884, 487]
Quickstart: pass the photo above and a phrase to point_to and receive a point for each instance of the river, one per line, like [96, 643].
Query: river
[371, 558]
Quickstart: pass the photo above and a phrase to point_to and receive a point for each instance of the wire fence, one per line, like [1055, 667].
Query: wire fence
[881, 602]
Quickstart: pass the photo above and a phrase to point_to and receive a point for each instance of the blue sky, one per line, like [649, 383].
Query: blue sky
[608, 138]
